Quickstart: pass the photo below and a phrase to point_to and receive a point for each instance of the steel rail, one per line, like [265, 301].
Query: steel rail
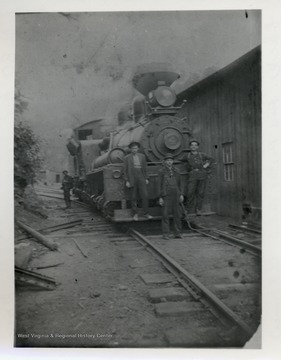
[253, 249]
[245, 244]
[61, 198]
[50, 195]
[195, 284]
[55, 191]
[245, 228]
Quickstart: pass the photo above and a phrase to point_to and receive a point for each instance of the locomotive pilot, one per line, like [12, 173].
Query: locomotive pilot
[170, 197]
[67, 185]
[135, 174]
[198, 165]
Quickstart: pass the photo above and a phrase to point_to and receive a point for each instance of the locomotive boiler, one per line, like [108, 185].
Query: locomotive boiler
[153, 122]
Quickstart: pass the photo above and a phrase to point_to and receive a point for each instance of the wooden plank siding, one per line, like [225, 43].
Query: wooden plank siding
[226, 108]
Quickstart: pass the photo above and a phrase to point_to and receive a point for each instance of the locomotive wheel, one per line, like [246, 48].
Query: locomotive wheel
[84, 196]
[99, 202]
[109, 207]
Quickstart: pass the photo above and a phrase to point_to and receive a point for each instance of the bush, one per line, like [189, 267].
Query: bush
[27, 159]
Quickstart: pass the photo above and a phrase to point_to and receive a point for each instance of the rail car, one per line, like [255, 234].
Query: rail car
[153, 122]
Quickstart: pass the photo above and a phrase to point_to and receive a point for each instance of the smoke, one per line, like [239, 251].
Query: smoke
[78, 67]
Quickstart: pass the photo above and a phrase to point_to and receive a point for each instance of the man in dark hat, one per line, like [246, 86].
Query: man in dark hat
[198, 165]
[67, 185]
[170, 196]
[135, 174]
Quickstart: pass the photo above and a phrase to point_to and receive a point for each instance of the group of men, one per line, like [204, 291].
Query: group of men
[170, 187]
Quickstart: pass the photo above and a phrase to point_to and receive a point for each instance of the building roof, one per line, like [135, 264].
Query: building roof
[249, 57]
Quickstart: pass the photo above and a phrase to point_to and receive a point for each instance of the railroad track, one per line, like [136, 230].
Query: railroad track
[204, 293]
[231, 322]
[249, 243]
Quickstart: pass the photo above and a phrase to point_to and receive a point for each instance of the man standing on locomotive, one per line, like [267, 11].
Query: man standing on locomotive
[67, 185]
[170, 196]
[135, 174]
[198, 165]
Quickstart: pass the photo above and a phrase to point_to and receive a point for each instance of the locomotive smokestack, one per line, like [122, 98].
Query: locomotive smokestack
[149, 77]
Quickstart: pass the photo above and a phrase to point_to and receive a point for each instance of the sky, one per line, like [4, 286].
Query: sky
[75, 67]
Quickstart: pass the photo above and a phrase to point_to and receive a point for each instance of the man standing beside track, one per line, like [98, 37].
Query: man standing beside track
[67, 185]
[170, 197]
[135, 174]
[198, 165]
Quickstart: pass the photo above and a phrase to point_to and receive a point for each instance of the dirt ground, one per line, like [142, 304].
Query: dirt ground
[101, 299]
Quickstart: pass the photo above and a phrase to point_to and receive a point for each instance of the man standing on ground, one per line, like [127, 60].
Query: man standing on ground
[198, 165]
[67, 185]
[170, 197]
[135, 174]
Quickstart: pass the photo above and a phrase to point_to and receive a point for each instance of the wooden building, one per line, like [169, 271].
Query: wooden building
[224, 111]
[48, 177]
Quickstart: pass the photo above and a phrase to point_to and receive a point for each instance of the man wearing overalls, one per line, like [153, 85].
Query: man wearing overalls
[170, 197]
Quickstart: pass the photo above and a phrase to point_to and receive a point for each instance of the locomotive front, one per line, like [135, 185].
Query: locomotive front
[152, 122]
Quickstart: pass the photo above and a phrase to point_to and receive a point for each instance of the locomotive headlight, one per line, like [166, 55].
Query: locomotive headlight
[116, 174]
[165, 96]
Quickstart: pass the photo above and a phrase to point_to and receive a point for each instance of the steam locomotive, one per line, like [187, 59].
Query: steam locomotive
[152, 121]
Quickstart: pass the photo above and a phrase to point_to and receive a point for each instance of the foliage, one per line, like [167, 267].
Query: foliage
[20, 104]
[27, 159]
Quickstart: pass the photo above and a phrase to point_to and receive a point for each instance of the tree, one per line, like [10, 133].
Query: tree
[27, 159]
